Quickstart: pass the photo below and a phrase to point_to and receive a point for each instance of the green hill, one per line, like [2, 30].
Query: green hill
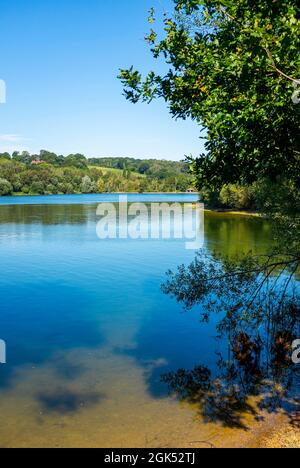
[49, 173]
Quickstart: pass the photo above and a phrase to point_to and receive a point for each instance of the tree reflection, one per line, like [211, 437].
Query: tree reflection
[47, 214]
[259, 310]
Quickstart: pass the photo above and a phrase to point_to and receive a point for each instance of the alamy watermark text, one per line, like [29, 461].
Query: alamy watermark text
[2, 352]
[125, 220]
[2, 92]
[296, 352]
[296, 94]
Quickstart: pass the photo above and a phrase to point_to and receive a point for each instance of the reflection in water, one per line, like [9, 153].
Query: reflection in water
[259, 319]
[89, 332]
[63, 401]
[37, 321]
[47, 214]
[231, 236]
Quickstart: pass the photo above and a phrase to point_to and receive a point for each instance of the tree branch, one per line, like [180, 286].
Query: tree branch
[223, 10]
[270, 56]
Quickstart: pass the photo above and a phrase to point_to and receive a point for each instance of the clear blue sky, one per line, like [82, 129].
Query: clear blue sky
[60, 60]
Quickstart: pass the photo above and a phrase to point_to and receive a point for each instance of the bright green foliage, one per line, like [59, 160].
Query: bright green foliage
[233, 68]
[238, 197]
[233, 196]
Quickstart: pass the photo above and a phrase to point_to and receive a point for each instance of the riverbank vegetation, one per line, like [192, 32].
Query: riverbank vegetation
[49, 174]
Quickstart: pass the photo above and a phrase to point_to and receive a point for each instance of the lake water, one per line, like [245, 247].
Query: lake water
[89, 332]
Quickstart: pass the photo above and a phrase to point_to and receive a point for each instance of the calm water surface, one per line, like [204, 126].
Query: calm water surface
[89, 332]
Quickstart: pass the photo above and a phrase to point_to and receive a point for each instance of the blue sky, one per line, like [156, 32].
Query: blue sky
[60, 60]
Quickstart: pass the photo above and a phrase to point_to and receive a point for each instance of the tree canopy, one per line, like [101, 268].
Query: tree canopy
[233, 66]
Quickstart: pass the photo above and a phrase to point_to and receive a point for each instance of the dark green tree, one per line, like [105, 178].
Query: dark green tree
[233, 67]
[5, 187]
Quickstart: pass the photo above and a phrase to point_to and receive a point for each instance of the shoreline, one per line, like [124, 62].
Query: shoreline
[285, 434]
[19, 194]
[287, 438]
[279, 429]
[221, 211]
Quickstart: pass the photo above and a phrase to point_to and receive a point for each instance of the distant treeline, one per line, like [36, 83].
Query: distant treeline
[154, 168]
[49, 173]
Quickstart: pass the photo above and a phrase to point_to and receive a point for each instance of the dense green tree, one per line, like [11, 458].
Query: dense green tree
[233, 66]
[76, 160]
[51, 158]
[37, 188]
[23, 157]
[51, 189]
[238, 197]
[5, 187]
[5, 156]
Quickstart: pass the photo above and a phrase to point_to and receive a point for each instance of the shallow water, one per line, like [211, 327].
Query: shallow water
[89, 332]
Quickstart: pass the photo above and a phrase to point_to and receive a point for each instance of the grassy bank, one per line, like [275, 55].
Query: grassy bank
[233, 212]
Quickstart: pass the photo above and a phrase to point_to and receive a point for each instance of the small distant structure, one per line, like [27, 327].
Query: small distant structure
[191, 190]
[36, 162]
